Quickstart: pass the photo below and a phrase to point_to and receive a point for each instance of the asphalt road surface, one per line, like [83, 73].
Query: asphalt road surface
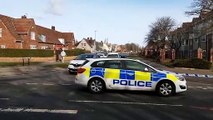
[42, 93]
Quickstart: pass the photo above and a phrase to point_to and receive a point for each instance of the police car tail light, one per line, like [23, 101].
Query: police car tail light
[81, 70]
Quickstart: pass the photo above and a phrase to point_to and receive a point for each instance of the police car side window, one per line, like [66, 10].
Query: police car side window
[133, 65]
[114, 64]
[98, 64]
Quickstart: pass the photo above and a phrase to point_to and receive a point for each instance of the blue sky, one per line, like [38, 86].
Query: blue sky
[119, 21]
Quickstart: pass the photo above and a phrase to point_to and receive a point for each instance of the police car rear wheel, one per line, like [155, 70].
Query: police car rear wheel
[96, 86]
[165, 88]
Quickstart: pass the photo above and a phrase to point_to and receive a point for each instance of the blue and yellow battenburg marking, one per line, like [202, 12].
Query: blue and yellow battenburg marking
[128, 77]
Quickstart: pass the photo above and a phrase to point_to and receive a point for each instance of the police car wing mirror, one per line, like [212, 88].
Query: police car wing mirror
[146, 69]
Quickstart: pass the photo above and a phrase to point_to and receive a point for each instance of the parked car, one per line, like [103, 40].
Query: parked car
[113, 55]
[128, 74]
[102, 55]
[79, 60]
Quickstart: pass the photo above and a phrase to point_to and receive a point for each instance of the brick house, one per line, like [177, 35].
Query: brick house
[23, 33]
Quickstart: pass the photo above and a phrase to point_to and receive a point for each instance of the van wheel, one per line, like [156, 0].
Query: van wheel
[96, 86]
[165, 88]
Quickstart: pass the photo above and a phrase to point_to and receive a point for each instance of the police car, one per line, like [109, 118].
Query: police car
[127, 74]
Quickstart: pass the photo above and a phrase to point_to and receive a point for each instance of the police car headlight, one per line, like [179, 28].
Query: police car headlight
[181, 78]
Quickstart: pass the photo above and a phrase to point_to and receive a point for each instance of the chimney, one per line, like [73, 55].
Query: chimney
[24, 17]
[53, 27]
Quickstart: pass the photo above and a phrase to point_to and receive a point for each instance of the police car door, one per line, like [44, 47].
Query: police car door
[113, 72]
[138, 75]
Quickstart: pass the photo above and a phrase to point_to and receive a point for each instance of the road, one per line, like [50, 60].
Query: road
[43, 93]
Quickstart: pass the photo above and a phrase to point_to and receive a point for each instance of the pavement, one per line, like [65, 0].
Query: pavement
[180, 70]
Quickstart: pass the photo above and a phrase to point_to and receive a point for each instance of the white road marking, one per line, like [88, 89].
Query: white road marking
[201, 87]
[5, 99]
[125, 103]
[48, 84]
[39, 110]
[32, 83]
[45, 84]
[64, 84]
[11, 110]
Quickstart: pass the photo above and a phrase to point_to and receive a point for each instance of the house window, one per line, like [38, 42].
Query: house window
[84, 44]
[62, 41]
[187, 41]
[32, 34]
[0, 32]
[196, 40]
[3, 46]
[183, 42]
[44, 47]
[33, 47]
[203, 39]
[43, 38]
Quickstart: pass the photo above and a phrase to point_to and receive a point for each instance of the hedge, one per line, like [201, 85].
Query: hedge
[191, 63]
[75, 52]
[26, 53]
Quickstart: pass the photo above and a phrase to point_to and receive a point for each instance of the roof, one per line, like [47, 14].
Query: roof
[52, 35]
[68, 36]
[9, 23]
[23, 25]
[90, 42]
[20, 26]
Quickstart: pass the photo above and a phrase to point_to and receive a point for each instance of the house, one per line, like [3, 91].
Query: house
[87, 44]
[194, 35]
[23, 33]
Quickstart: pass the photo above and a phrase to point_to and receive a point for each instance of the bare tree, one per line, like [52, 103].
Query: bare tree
[132, 47]
[158, 36]
[199, 6]
[159, 32]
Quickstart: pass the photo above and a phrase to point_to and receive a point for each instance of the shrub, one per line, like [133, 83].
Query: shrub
[75, 52]
[25, 53]
[192, 63]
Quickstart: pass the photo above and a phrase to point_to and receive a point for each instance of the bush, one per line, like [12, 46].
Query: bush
[25, 53]
[75, 52]
[192, 63]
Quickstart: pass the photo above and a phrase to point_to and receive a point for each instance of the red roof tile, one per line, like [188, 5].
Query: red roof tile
[9, 23]
[51, 35]
[23, 25]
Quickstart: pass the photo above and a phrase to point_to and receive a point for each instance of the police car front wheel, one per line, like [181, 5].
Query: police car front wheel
[165, 88]
[96, 86]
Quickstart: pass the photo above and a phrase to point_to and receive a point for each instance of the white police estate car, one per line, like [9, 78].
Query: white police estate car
[127, 74]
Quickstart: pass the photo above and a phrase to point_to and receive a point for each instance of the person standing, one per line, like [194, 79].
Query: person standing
[63, 54]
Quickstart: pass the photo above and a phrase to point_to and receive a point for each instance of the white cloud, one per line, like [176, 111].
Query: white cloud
[55, 7]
